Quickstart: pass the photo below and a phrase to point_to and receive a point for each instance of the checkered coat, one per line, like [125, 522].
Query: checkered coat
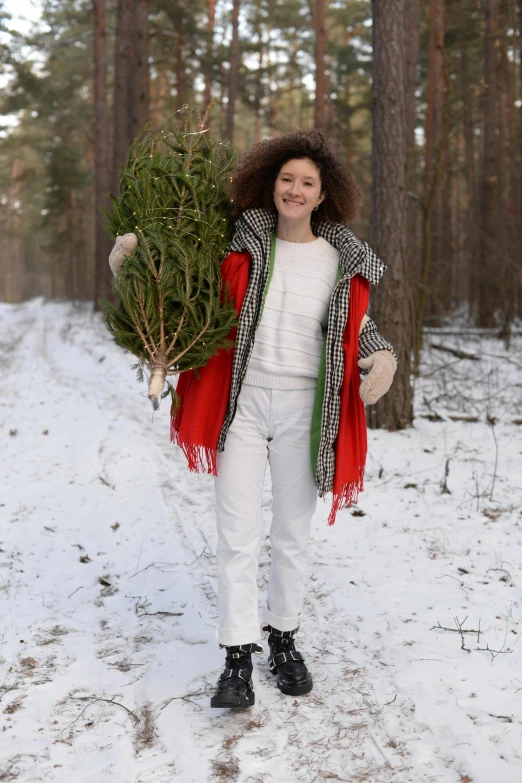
[253, 230]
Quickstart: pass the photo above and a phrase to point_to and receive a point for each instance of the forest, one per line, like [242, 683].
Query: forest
[109, 555]
[90, 74]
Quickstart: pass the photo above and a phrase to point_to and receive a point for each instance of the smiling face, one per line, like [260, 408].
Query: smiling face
[297, 189]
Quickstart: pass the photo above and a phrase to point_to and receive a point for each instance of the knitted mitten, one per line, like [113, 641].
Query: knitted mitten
[125, 246]
[382, 366]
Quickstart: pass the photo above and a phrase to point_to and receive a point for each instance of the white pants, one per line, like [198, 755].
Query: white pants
[274, 424]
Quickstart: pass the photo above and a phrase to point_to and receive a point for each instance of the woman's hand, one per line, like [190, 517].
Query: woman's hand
[125, 246]
[382, 366]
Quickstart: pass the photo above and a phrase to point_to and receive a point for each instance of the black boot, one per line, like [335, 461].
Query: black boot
[293, 678]
[234, 688]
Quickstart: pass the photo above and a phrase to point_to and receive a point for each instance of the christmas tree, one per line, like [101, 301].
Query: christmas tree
[173, 197]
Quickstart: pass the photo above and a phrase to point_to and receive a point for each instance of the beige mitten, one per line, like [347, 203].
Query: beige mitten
[125, 246]
[382, 366]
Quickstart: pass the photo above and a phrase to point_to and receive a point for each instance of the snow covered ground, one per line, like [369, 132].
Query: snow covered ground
[107, 597]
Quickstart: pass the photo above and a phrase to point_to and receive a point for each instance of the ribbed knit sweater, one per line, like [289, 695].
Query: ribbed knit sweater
[290, 337]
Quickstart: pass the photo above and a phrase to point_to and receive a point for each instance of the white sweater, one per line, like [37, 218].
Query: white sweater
[289, 340]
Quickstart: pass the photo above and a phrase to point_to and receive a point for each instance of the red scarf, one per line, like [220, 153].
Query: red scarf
[196, 424]
[351, 444]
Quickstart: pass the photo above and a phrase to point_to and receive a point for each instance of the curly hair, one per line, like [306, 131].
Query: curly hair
[252, 182]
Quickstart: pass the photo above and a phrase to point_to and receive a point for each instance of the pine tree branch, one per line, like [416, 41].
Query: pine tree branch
[176, 333]
[191, 345]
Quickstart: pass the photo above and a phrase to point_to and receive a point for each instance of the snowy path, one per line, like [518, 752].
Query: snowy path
[107, 586]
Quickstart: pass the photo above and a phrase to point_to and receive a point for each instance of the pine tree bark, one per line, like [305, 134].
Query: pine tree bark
[139, 83]
[434, 89]
[412, 21]
[321, 79]
[520, 131]
[159, 92]
[506, 175]
[102, 275]
[12, 262]
[122, 54]
[179, 59]
[207, 96]
[470, 246]
[434, 173]
[391, 303]
[518, 219]
[233, 73]
[489, 186]
[348, 136]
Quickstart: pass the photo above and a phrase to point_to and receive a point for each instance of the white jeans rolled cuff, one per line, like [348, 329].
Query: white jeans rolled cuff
[280, 623]
[235, 636]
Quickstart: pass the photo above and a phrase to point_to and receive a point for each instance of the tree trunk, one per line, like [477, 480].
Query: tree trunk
[470, 246]
[520, 131]
[139, 83]
[180, 67]
[71, 246]
[210, 54]
[122, 54]
[412, 21]
[506, 173]
[275, 112]
[233, 73]
[12, 262]
[489, 186]
[321, 80]
[518, 219]
[160, 97]
[348, 135]
[434, 89]
[445, 272]
[434, 173]
[102, 275]
[392, 302]
[293, 76]
[436, 133]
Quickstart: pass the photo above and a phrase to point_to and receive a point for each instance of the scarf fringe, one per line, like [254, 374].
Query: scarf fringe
[201, 459]
[347, 496]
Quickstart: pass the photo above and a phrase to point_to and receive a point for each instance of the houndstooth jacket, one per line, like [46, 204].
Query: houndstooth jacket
[253, 230]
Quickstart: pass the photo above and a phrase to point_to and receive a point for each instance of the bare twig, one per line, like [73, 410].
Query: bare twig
[186, 697]
[92, 699]
[460, 630]
[456, 352]
[444, 483]
[75, 591]
[502, 579]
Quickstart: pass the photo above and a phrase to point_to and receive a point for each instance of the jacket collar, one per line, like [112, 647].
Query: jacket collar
[355, 257]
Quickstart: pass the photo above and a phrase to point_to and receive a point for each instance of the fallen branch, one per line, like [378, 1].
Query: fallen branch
[502, 578]
[167, 614]
[186, 697]
[460, 630]
[444, 483]
[455, 352]
[92, 699]
[504, 718]
[494, 653]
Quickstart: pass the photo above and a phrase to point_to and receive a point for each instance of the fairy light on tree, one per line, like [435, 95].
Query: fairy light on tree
[173, 197]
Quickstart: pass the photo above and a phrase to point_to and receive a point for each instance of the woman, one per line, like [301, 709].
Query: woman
[288, 392]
